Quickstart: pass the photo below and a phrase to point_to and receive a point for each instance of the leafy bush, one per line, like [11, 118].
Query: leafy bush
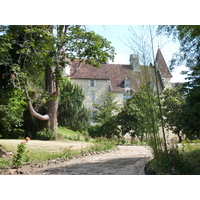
[87, 138]
[69, 152]
[46, 134]
[194, 158]
[102, 144]
[95, 131]
[21, 155]
[109, 129]
[17, 134]
[121, 141]
[74, 137]
[173, 164]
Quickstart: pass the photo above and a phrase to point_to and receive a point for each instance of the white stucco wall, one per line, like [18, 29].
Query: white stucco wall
[167, 83]
[99, 89]
[119, 97]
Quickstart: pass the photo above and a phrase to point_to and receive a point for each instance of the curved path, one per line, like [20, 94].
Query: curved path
[127, 160]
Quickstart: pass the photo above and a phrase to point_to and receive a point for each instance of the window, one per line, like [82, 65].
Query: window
[92, 95]
[91, 83]
[128, 94]
[127, 82]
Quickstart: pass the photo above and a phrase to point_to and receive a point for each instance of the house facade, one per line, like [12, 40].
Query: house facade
[122, 80]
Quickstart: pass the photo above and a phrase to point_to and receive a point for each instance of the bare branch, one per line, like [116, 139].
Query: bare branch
[75, 70]
[32, 110]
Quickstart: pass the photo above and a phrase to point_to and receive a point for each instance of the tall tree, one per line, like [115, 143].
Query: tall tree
[139, 115]
[143, 45]
[173, 110]
[71, 111]
[189, 39]
[189, 54]
[48, 49]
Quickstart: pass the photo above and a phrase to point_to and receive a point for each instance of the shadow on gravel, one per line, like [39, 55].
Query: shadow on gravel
[120, 166]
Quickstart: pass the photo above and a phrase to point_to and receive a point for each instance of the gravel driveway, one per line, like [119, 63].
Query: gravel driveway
[126, 160]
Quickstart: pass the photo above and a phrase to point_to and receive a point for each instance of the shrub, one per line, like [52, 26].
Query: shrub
[21, 156]
[194, 158]
[69, 152]
[17, 133]
[46, 134]
[87, 138]
[173, 164]
[102, 144]
[95, 131]
[108, 129]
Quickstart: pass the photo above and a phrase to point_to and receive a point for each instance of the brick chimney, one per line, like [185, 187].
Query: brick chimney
[134, 62]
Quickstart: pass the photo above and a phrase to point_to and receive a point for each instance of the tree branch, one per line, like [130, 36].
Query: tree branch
[75, 70]
[65, 29]
[32, 110]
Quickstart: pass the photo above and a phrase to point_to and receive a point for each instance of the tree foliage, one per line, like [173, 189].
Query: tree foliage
[173, 110]
[189, 39]
[192, 113]
[189, 53]
[140, 114]
[32, 51]
[12, 107]
[71, 111]
[106, 109]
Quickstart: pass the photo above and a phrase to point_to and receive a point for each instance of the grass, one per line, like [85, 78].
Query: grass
[73, 135]
[38, 150]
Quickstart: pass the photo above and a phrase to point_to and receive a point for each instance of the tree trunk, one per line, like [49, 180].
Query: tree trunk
[52, 88]
[32, 110]
[179, 137]
[52, 110]
[52, 104]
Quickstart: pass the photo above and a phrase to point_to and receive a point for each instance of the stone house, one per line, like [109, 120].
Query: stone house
[122, 80]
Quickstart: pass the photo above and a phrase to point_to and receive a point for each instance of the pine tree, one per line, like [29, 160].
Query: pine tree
[71, 112]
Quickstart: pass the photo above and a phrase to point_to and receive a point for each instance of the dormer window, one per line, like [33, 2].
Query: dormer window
[91, 83]
[128, 94]
[127, 82]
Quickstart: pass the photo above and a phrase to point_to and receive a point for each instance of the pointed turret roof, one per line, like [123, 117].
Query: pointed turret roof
[162, 66]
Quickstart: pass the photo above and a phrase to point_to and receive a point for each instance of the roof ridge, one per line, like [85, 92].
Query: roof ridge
[162, 65]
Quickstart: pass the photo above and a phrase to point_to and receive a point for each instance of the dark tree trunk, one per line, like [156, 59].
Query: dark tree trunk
[179, 137]
[52, 104]
[52, 89]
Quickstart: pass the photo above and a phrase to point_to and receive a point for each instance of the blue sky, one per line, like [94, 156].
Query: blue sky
[118, 35]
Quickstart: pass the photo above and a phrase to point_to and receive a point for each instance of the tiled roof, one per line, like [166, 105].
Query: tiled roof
[162, 66]
[89, 72]
[117, 73]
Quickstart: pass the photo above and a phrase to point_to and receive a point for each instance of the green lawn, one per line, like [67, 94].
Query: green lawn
[44, 150]
[39, 150]
[72, 135]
